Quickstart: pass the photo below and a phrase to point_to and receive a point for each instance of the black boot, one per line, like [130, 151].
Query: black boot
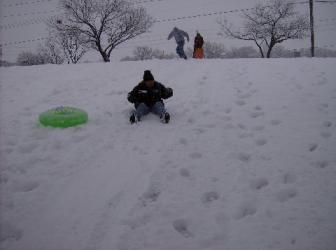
[165, 118]
[133, 119]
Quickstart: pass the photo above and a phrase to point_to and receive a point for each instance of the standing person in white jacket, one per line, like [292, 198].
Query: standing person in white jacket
[179, 38]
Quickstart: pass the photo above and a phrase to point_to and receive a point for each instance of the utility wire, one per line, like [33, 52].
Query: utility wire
[36, 21]
[24, 3]
[159, 39]
[32, 13]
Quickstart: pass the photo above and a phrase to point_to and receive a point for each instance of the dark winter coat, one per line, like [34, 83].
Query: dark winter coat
[198, 42]
[143, 94]
[178, 35]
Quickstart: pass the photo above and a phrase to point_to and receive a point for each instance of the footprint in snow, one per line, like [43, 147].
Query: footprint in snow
[286, 194]
[288, 178]
[227, 110]
[258, 128]
[209, 197]
[241, 126]
[240, 103]
[244, 157]
[226, 118]
[245, 135]
[24, 186]
[151, 195]
[211, 125]
[229, 126]
[256, 114]
[326, 134]
[313, 147]
[244, 210]
[207, 112]
[261, 142]
[78, 138]
[275, 122]
[259, 183]
[184, 172]
[10, 232]
[324, 105]
[244, 96]
[195, 155]
[182, 227]
[191, 120]
[183, 141]
[199, 130]
[258, 108]
[327, 124]
[28, 148]
[320, 164]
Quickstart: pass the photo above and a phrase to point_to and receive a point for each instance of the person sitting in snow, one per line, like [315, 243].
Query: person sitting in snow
[179, 38]
[147, 97]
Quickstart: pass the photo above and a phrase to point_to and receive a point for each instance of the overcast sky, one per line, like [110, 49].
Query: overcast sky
[27, 23]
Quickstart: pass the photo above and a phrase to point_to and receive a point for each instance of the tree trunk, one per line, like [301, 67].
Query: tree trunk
[269, 53]
[261, 52]
[104, 55]
[270, 50]
[270, 47]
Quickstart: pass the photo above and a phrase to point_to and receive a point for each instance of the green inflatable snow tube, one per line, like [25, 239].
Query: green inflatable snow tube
[63, 117]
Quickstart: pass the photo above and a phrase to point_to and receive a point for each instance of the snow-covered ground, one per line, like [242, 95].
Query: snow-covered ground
[247, 162]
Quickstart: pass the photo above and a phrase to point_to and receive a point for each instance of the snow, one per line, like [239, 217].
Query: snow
[247, 162]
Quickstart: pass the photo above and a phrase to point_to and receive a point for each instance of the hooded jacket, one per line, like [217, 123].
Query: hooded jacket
[198, 42]
[178, 35]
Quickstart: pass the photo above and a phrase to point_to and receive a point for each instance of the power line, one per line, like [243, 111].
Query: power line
[24, 23]
[32, 13]
[42, 20]
[147, 1]
[24, 3]
[321, 1]
[24, 41]
[160, 38]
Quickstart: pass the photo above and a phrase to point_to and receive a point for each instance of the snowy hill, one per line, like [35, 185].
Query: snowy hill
[247, 162]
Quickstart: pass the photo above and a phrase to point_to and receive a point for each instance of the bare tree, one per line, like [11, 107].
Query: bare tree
[72, 45]
[51, 52]
[103, 24]
[269, 24]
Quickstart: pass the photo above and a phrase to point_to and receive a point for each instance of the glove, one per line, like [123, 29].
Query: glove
[168, 93]
[130, 98]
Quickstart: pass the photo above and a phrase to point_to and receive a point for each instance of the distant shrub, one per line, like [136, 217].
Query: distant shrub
[26, 58]
[147, 53]
[214, 50]
[242, 52]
